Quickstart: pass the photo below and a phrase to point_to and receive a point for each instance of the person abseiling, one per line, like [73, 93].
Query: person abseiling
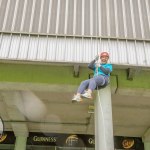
[102, 70]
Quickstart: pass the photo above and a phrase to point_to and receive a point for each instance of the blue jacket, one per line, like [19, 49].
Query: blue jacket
[103, 69]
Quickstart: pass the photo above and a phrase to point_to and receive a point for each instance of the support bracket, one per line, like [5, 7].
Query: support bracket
[130, 73]
[76, 71]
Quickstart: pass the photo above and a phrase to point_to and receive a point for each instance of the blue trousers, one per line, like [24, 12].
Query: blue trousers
[92, 83]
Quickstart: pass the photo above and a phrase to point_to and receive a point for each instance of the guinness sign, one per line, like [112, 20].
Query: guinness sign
[67, 140]
[3, 137]
[7, 137]
[72, 140]
[128, 143]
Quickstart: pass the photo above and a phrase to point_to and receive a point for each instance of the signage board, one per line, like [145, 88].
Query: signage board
[72, 140]
[128, 143]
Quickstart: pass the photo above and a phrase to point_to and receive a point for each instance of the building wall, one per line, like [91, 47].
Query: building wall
[106, 18]
[73, 50]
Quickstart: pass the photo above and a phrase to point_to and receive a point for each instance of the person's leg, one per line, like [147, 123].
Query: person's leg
[83, 86]
[93, 83]
[96, 81]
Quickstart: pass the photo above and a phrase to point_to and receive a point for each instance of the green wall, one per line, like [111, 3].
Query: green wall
[64, 75]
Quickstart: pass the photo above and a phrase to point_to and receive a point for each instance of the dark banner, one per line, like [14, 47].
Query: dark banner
[128, 143]
[73, 140]
[7, 137]
[67, 140]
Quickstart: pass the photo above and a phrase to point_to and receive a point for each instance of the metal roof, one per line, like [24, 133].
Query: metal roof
[128, 19]
[75, 50]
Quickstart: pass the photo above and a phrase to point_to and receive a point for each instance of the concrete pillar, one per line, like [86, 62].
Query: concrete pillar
[103, 120]
[20, 143]
[146, 139]
[146, 145]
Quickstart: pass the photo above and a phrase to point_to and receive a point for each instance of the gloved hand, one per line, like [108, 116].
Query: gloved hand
[96, 58]
[97, 65]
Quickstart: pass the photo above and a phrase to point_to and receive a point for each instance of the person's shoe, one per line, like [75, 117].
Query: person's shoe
[76, 98]
[86, 95]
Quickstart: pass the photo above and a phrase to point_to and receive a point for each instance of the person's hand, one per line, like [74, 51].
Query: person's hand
[97, 65]
[96, 58]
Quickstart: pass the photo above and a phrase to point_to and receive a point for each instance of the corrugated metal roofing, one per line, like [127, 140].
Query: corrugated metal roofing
[104, 18]
[76, 50]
